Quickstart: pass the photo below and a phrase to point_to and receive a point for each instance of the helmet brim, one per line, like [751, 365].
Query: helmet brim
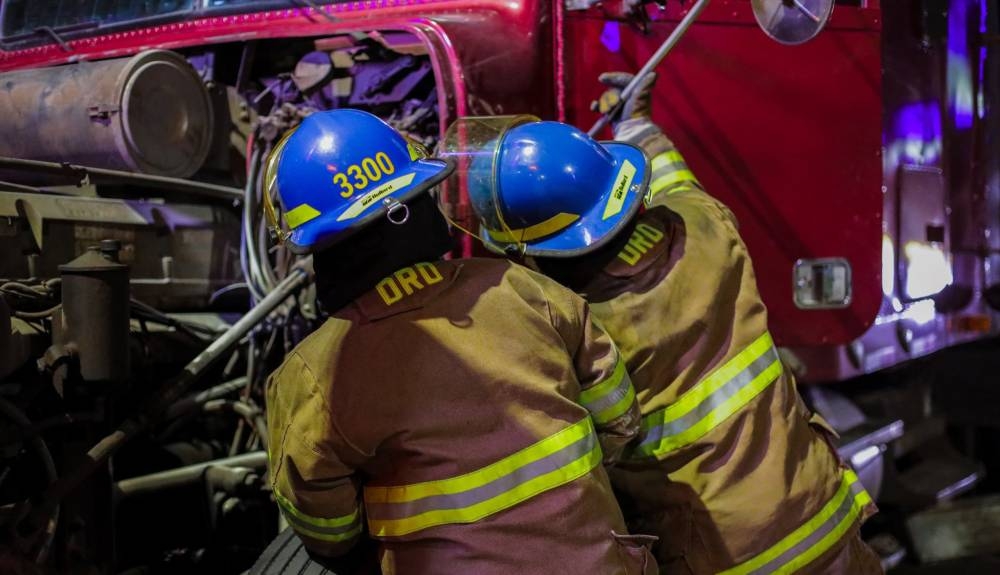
[593, 229]
[426, 173]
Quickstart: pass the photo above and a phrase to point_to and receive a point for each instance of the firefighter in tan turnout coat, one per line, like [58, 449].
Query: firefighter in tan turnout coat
[455, 411]
[731, 471]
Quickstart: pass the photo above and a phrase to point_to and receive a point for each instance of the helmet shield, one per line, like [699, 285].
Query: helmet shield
[474, 143]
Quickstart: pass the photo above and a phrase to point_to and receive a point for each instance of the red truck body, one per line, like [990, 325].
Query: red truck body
[865, 144]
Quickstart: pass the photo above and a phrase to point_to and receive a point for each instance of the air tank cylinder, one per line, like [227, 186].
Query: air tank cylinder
[148, 113]
[95, 312]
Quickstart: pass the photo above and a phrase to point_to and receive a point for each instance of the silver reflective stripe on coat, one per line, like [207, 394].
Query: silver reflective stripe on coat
[493, 489]
[821, 533]
[549, 463]
[712, 400]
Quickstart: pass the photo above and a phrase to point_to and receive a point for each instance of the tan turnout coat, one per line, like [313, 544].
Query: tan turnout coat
[448, 409]
[732, 471]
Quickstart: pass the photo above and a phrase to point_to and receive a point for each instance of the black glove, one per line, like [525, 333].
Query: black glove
[637, 105]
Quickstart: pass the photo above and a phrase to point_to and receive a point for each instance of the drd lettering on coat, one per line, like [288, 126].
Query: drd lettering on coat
[407, 281]
[642, 240]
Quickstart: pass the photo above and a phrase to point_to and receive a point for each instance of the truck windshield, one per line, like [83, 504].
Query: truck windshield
[24, 17]
[23, 20]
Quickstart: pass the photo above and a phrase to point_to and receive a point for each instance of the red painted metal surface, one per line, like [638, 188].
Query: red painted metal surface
[804, 143]
[789, 137]
[933, 177]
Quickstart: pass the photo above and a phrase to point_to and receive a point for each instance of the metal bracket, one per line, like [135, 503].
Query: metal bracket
[102, 111]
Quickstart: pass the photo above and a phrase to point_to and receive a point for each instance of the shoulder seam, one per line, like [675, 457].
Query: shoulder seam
[329, 409]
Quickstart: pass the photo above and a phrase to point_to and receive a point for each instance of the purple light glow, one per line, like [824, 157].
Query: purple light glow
[961, 103]
[611, 37]
[916, 134]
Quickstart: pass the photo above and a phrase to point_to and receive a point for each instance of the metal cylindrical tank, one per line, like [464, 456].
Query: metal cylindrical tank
[95, 312]
[148, 113]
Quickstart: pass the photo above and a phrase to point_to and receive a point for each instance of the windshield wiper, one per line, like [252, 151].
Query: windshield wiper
[310, 4]
[54, 31]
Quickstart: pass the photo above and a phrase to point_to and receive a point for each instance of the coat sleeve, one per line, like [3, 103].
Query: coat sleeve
[670, 173]
[605, 386]
[312, 464]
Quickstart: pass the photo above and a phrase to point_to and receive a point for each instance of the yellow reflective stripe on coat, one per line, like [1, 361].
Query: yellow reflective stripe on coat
[334, 529]
[611, 398]
[669, 168]
[712, 400]
[556, 460]
[667, 159]
[816, 536]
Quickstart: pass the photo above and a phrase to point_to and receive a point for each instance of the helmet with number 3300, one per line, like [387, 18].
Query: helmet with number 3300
[341, 170]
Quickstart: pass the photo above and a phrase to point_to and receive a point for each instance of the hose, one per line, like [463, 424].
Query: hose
[49, 465]
[44, 314]
[193, 401]
[146, 312]
[248, 250]
[253, 415]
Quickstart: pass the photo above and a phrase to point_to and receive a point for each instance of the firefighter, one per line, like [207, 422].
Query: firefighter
[731, 471]
[457, 407]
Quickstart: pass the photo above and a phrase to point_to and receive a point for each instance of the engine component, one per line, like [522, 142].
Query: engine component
[313, 69]
[167, 396]
[179, 254]
[186, 475]
[7, 361]
[80, 176]
[179, 239]
[9, 413]
[149, 113]
[95, 312]
[381, 82]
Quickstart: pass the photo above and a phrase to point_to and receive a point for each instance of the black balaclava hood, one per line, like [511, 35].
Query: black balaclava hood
[347, 270]
[577, 272]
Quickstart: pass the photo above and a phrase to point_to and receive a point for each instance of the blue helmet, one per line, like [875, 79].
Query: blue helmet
[546, 188]
[339, 171]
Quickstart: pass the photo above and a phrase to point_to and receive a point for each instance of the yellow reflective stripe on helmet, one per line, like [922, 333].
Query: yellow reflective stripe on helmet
[334, 529]
[623, 182]
[816, 536]
[416, 150]
[540, 230]
[611, 398]
[712, 400]
[271, 184]
[549, 463]
[300, 214]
